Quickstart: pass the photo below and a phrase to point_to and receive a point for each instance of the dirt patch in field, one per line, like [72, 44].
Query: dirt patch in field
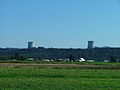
[55, 66]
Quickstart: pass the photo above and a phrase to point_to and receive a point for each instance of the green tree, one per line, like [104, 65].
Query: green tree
[71, 57]
[17, 56]
[113, 59]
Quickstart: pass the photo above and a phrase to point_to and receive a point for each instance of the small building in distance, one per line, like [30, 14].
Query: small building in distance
[30, 45]
[90, 45]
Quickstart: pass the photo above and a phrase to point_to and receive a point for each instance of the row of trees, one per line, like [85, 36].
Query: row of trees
[17, 57]
[111, 54]
[71, 57]
[112, 58]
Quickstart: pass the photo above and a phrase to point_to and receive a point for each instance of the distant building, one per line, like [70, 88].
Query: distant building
[30, 59]
[82, 60]
[90, 44]
[90, 61]
[30, 45]
[106, 60]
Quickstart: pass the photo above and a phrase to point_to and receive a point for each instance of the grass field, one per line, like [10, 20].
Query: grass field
[59, 62]
[59, 79]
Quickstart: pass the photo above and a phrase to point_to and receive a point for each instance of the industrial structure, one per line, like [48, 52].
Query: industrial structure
[90, 44]
[30, 45]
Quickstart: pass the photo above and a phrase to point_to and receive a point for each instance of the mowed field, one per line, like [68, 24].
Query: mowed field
[50, 77]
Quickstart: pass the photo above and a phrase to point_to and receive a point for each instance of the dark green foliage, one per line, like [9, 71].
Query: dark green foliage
[17, 57]
[71, 57]
[2, 58]
[113, 59]
[55, 53]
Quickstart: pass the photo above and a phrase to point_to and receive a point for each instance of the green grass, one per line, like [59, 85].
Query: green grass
[60, 62]
[59, 79]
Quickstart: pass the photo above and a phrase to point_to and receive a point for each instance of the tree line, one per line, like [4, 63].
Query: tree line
[56, 53]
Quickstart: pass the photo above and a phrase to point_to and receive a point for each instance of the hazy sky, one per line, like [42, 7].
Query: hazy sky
[59, 23]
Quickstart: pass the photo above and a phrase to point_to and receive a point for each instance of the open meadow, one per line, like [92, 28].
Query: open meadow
[28, 76]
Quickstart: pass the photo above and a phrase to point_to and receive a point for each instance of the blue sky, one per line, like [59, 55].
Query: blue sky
[59, 23]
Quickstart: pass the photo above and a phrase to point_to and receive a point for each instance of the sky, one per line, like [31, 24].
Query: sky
[59, 23]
